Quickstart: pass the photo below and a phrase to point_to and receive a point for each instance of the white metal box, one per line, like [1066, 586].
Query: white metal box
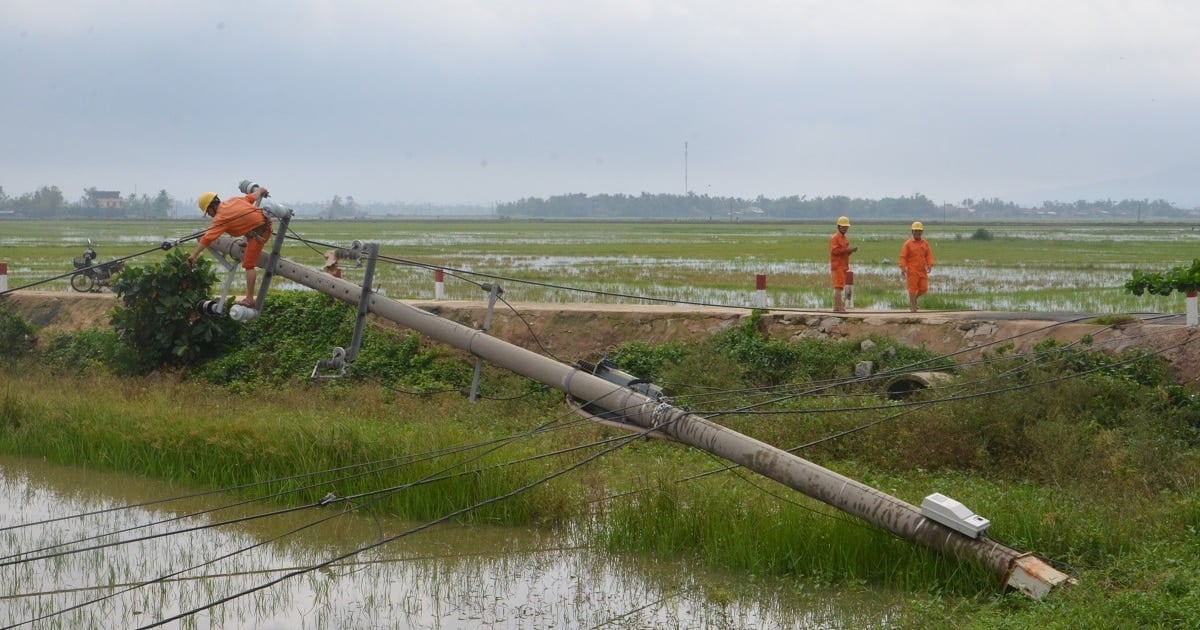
[952, 514]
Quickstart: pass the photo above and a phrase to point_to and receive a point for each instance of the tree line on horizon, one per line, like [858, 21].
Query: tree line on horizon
[801, 207]
[48, 202]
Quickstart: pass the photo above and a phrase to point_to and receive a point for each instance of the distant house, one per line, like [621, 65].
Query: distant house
[108, 199]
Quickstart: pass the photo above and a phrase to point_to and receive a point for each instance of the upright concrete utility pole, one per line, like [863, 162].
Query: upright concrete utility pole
[1015, 569]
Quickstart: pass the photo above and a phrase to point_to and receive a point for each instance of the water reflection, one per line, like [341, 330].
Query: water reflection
[81, 573]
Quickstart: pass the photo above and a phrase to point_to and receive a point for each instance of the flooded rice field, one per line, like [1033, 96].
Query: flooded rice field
[84, 549]
[1021, 267]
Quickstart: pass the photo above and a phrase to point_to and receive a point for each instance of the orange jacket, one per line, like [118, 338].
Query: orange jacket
[236, 217]
[839, 252]
[916, 256]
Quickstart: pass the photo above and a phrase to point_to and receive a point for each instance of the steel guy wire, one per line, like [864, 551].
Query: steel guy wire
[414, 530]
[887, 374]
[909, 407]
[882, 375]
[411, 459]
[453, 273]
[321, 503]
[267, 571]
[1125, 361]
[166, 245]
[818, 386]
[821, 388]
[658, 602]
[173, 576]
[73, 272]
[391, 462]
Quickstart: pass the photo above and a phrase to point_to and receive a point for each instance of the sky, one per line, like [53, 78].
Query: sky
[478, 102]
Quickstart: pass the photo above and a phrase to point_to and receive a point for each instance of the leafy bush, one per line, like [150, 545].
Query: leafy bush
[16, 333]
[1182, 279]
[1137, 365]
[296, 329]
[981, 234]
[158, 319]
[645, 361]
[767, 361]
[75, 353]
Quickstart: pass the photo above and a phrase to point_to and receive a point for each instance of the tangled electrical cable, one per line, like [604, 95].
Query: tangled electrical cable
[607, 445]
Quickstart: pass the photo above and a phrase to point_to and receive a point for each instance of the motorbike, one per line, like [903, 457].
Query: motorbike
[90, 277]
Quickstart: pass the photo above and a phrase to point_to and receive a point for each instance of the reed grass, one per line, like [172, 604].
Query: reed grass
[1098, 474]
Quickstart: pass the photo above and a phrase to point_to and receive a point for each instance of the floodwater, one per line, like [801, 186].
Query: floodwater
[83, 549]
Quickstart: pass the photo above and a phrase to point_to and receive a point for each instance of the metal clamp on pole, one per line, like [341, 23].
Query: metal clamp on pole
[494, 292]
[217, 306]
[336, 362]
[342, 358]
[285, 217]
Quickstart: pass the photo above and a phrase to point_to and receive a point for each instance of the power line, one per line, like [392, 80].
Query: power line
[395, 537]
[378, 495]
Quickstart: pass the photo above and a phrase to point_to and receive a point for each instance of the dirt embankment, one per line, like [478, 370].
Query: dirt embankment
[587, 331]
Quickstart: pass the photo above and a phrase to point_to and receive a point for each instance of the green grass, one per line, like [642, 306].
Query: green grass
[1098, 473]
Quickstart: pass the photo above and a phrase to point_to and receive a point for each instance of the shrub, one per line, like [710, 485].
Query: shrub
[75, 353]
[765, 361]
[768, 361]
[298, 328]
[16, 333]
[1182, 279]
[157, 317]
[645, 361]
[981, 234]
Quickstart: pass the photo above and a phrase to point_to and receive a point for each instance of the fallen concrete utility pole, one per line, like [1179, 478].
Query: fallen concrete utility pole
[1022, 571]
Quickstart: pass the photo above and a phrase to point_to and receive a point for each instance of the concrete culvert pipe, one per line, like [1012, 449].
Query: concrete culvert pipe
[905, 385]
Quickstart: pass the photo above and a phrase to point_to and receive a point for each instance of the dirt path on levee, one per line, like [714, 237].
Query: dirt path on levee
[587, 331]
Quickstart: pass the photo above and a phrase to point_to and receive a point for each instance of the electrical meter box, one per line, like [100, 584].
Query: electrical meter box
[952, 514]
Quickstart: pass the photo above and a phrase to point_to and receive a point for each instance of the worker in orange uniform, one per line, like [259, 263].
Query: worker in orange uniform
[839, 262]
[916, 261]
[239, 216]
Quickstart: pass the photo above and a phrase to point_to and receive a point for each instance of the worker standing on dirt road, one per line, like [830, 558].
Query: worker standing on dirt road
[839, 262]
[239, 216]
[916, 261]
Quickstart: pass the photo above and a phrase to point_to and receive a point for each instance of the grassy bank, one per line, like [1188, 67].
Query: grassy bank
[1088, 460]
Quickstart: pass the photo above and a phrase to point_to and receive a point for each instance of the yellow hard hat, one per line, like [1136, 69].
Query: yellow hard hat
[843, 221]
[205, 200]
[917, 226]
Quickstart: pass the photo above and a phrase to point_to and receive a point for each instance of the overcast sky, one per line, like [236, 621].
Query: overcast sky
[480, 101]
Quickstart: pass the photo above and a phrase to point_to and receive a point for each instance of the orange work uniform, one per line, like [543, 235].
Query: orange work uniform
[240, 217]
[839, 259]
[916, 259]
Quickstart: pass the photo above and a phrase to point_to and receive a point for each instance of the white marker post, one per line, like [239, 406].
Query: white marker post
[760, 287]
[439, 287]
[3, 277]
[1190, 302]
